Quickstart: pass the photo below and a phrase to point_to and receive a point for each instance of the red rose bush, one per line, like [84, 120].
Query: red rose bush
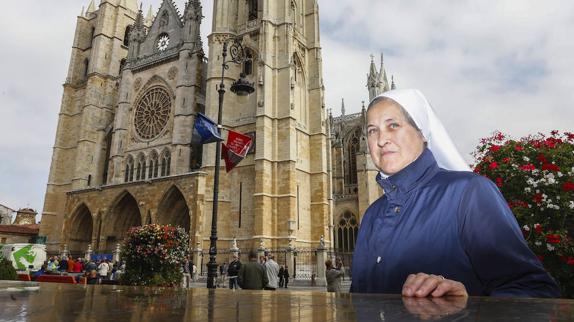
[536, 176]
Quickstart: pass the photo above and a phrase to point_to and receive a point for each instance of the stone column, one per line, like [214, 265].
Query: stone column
[320, 279]
[64, 252]
[89, 252]
[290, 260]
[116, 253]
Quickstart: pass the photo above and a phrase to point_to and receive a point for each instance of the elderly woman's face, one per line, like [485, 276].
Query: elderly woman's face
[393, 142]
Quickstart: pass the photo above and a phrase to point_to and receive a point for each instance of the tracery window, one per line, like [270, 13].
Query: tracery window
[141, 168]
[351, 149]
[129, 171]
[165, 163]
[347, 230]
[152, 113]
[153, 165]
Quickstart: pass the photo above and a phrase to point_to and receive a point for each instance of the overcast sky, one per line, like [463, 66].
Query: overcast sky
[484, 65]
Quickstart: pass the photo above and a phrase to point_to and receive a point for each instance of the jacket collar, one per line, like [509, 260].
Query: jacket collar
[414, 174]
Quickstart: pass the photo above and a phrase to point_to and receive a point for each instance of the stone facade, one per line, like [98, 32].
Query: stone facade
[353, 171]
[123, 154]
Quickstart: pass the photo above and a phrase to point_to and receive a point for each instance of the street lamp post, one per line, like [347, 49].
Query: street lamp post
[240, 87]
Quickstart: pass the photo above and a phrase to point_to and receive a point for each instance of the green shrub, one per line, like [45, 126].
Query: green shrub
[7, 271]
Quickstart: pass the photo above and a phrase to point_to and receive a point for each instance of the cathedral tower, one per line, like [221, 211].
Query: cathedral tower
[90, 92]
[280, 192]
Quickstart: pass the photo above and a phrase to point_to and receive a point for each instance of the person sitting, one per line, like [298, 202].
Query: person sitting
[92, 277]
[439, 229]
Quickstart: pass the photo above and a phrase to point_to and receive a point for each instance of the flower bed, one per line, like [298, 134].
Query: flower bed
[154, 255]
[536, 176]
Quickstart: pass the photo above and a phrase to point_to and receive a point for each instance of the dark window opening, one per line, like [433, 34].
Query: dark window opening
[252, 9]
[127, 36]
[248, 64]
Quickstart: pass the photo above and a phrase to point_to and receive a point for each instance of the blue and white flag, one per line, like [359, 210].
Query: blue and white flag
[204, 130]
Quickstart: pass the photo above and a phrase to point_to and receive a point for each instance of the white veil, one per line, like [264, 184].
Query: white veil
[438, 140]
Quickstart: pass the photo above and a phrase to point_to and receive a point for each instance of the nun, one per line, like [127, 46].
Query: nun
[439, 229]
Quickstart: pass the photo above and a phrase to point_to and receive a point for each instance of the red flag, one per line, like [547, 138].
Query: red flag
[236, 149]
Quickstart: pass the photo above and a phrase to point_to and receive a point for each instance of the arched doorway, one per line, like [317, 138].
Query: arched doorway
[80, 231]
[124, 215]
[173, 210]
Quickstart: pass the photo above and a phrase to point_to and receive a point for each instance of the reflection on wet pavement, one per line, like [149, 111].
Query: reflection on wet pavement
[21, 301]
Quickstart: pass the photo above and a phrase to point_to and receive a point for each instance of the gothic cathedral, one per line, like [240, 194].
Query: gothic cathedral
[123, 154]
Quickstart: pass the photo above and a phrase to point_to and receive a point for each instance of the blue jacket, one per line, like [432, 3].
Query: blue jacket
[450, 223]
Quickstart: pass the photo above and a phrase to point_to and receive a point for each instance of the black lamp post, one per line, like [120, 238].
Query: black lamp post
[240, 87]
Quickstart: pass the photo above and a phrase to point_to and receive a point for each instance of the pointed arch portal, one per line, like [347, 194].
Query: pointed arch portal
[124, 215]
[173, 210]
[81, 226]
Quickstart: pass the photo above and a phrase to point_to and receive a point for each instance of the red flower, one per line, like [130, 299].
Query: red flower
[541, 158]
[538, 228]
[518, 148]
[495, 148]
[568, 186]
[493, 165]
[527, 167]
[569, 135]
[553, 239]
[499, 182]
[506, 160]
[550, 167]
[537, 198]
[499, 136]
[540, 258]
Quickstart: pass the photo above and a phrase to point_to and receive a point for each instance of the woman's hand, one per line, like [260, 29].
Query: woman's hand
[423, 285]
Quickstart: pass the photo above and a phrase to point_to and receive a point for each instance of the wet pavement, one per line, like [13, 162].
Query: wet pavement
[29, 301]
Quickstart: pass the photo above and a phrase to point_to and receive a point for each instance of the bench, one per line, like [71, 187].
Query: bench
[24, 277]
[56, 279]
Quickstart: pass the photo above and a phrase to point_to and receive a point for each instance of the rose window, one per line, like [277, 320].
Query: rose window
[152, 113]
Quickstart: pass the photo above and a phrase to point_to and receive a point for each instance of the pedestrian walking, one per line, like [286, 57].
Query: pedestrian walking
[272, 271]
[233, 272]
[281, 277]
[286, 275]
[333, 277]
[252, 275]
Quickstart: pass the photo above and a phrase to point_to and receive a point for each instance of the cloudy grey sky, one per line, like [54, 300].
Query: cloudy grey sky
[484, 65]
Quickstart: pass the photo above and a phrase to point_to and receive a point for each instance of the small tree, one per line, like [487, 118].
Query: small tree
[154, 255]
[7, 271]
[536, 176]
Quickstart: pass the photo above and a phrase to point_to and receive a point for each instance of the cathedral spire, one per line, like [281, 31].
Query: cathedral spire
[373, 80]
[149, 17]
[342, 106]
[82, 13]
[91, 7]
[383, 76]
[393, 82]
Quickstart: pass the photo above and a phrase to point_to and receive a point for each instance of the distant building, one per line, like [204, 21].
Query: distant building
[6, 215]
[23, 230]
